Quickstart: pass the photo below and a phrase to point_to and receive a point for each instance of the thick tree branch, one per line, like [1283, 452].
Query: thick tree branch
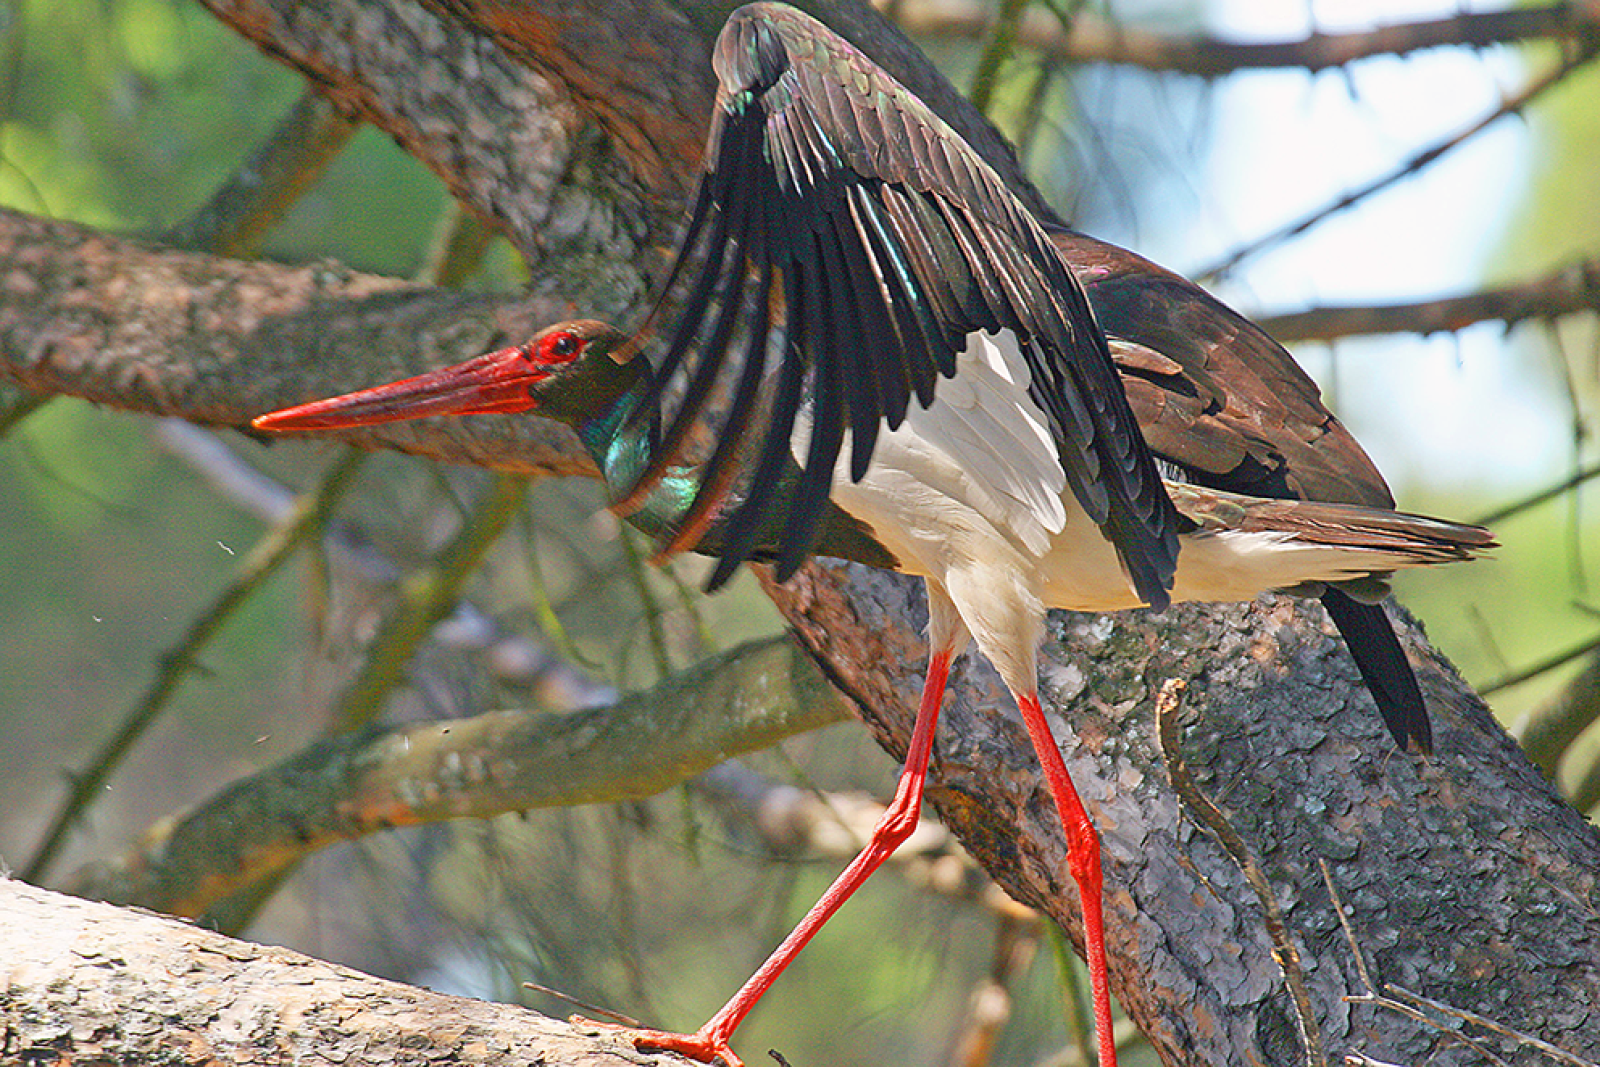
[640, 71]
[219, 341]
[82, 982]
[1283, 732]
[403, 67]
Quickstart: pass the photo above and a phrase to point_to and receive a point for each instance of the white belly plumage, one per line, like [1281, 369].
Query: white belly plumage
[970, 494]
[975, 481]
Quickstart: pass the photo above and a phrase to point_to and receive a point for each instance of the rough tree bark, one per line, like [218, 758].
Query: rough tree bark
[90, 983]
[1463, 878]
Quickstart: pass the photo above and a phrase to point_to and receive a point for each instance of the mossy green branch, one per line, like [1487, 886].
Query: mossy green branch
[372, 779]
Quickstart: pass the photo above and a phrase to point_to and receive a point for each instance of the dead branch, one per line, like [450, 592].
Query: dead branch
[1093, 39]
[1571, 290]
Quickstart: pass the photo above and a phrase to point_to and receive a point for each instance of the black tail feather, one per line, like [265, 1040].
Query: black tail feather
[1370, 637]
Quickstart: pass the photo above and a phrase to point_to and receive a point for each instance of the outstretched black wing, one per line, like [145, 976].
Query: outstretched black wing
[833, 193]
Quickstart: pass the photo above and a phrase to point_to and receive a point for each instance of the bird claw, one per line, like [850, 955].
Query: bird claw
[700, 1047]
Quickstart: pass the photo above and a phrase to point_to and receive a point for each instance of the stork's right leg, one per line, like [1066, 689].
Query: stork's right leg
[947, 637]
[1083, 857]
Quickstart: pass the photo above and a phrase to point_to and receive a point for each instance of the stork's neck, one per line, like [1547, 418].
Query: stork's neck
[619, 451]
[622, 450]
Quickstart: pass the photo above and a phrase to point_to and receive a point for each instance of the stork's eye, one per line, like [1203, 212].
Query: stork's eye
[564, 345]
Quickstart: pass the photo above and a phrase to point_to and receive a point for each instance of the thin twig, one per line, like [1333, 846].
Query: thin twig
[1416, 163]
[653, 612]
[1550, 492]
[1555, 1052]
[264, 188]
[1484, 631]
[1098, 40]
[1016, 939]
[584, 1006]
[1074, 994]
[1033, 112]
[1344, 924]
[1002, 42]
[512, 657]
[690, 602]
[1377, 999]
[1574, 390]
[545, 613]
[1212, 817]
[425, 598]
[177, 662]
[269, 501]
[1573, 289]
[1550, 663]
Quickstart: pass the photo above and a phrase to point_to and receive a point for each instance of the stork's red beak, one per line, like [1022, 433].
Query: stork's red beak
[499, 381]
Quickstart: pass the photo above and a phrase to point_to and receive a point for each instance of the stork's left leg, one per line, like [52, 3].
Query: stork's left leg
[947, 637]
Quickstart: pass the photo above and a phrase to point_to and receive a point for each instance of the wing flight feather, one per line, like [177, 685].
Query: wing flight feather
[886, 241]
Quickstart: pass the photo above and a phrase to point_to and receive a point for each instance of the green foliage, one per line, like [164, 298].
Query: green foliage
[127, 114]
[1543, 592]
[109, 550]
[1560, 220]
[79, 467]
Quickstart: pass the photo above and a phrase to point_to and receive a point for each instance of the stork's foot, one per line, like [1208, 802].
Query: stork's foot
[701, 1047]
[698, 1046]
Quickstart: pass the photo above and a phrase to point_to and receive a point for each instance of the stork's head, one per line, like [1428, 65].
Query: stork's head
[570, 371]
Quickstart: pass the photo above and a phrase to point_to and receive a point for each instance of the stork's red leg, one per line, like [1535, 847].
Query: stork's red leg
[1083, 857]
[710, 1042]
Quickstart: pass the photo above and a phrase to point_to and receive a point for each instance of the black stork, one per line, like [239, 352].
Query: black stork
[900, 366]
